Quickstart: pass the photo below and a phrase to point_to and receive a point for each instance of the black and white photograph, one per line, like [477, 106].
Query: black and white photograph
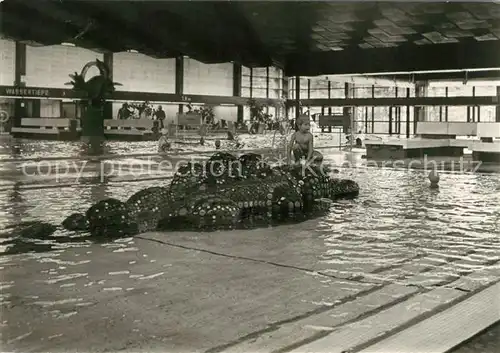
[240, 176]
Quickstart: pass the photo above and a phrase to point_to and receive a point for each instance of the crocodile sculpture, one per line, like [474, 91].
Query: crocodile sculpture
[224, 192]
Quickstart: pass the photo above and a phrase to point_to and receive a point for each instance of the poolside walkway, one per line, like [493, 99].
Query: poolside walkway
[241, 291]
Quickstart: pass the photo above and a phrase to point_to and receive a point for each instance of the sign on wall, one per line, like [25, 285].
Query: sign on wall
[25, 92]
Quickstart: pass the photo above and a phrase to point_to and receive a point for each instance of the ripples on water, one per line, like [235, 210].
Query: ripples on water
[396, 217]
[37, 149]
[394, 207]
[395, 229]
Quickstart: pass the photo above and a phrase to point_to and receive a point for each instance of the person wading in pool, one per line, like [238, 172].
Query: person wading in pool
[124, 112]
[160, 116]
[302, 144]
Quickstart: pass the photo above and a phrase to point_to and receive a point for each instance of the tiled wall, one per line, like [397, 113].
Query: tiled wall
[208, 79]
[51, 66]
[141, 73]
[7, 62]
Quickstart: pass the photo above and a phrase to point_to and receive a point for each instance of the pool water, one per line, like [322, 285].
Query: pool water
[395, 218]
[398, 231]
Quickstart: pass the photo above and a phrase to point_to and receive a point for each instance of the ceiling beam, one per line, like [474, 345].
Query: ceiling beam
[405, 58]
[387, 102]
[444, 76]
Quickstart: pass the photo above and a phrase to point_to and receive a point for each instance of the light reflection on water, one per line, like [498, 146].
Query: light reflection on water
[395, 219]
[392, 205]
[22, 148]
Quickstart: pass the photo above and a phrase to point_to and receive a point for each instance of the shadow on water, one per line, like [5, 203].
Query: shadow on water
[397, 214]
[37, 236]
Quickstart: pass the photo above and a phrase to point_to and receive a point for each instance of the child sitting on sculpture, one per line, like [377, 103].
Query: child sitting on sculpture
[302, 144]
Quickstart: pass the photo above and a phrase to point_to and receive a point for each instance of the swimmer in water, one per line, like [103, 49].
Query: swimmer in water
[163, 143]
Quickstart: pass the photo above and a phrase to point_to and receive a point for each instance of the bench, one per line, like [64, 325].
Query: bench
[46, 127]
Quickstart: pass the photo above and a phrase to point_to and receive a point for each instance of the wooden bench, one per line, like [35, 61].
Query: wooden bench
[46, 128]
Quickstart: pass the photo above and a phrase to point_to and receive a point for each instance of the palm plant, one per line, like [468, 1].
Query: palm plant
[257, 114]
[94, 93]
[97, 89]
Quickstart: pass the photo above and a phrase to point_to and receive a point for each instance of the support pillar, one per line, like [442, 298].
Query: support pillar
[373, 111]
[407, 115]
[420, 113]
[347, 111]
[237, 89]
[390, 119]
[108, 106]
[497, 112]
[309, 96]
[284, 96]
[251, 82]
[297, 100]
[179, 79]
[446, 108]
[267, 82]
[19, 73]
[329, 96]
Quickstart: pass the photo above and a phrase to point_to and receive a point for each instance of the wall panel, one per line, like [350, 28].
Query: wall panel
[208, 79]
[7, 62]
[141, 73]
[51, 66]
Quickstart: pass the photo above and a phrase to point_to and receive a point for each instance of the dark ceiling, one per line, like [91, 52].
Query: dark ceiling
[306, 38]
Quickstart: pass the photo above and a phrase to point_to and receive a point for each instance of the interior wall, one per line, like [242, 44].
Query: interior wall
[51, 66]
[141, 73]
[228, 113]
[208, 79]
[7, 62]
[50, 108]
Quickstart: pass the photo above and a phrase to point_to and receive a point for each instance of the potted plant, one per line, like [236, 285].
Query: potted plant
[283, 125]
[94, 93]
[258, 118]
[207, 114]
